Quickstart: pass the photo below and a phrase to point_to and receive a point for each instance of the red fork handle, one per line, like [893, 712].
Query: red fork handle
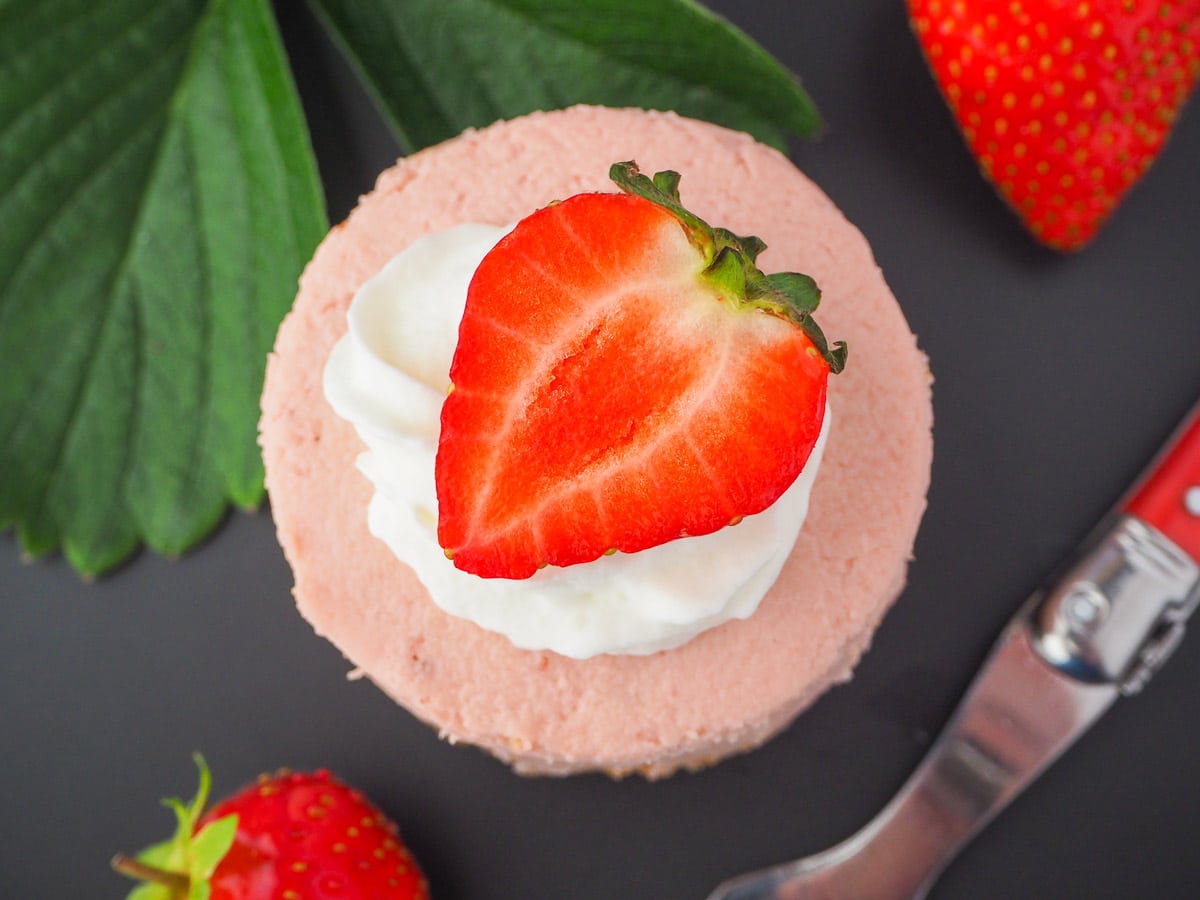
[1168, 495]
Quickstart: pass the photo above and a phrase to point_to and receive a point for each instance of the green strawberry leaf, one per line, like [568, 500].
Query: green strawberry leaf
[175, 853]
[159, 197]
[195, 808]
[800, 290]
[188, 859]
[168, 854]
[439, 66]
[210, 845]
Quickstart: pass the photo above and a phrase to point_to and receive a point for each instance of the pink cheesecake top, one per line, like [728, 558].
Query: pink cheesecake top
[727, 689]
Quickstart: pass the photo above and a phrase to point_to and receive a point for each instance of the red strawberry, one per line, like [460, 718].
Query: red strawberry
[290, 836]
[624, 376]
[1065, 103]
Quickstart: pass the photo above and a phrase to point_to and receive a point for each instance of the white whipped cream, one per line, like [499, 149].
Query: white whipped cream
[389, 375]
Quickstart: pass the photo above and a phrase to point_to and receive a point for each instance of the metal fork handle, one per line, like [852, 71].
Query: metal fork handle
[1097, 632]
[1018, 717]
[1015, 720]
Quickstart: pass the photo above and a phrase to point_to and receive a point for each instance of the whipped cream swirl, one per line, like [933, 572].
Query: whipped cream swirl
[389, 375]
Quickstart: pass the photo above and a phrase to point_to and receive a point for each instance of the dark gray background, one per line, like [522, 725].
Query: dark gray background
[1056, 378]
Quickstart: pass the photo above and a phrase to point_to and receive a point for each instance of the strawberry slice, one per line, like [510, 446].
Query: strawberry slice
[1064, 103]
[624, 376]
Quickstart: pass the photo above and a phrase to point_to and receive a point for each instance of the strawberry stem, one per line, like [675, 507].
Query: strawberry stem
[730, 261]
[175, 881]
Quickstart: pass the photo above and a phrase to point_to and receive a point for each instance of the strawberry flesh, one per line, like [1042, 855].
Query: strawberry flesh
[608, 396]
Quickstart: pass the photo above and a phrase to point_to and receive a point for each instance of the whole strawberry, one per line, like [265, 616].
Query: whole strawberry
[290, 836]
[625, 375]
[1065, 103]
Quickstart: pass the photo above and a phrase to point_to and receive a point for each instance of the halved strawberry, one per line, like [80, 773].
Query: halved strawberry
[624, 376]
[1065, 103]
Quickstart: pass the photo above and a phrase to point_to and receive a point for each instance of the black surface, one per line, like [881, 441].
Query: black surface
[1056, 379]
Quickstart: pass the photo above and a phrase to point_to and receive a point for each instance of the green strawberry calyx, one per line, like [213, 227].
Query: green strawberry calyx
[730, 261]
[180, 868]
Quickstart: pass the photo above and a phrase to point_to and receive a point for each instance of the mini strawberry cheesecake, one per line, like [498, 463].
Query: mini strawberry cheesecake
[561, 459]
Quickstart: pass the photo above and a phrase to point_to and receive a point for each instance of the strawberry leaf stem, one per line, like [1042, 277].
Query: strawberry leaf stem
[730, 261]
[175, 882]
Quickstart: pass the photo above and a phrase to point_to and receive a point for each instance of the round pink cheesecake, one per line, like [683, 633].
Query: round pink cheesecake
[728, 689]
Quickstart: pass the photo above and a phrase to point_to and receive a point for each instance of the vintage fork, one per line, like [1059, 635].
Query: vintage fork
[1098, 631]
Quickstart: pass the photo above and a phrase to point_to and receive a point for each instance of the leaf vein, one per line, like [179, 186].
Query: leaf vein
[66, 202]
[84, 64]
